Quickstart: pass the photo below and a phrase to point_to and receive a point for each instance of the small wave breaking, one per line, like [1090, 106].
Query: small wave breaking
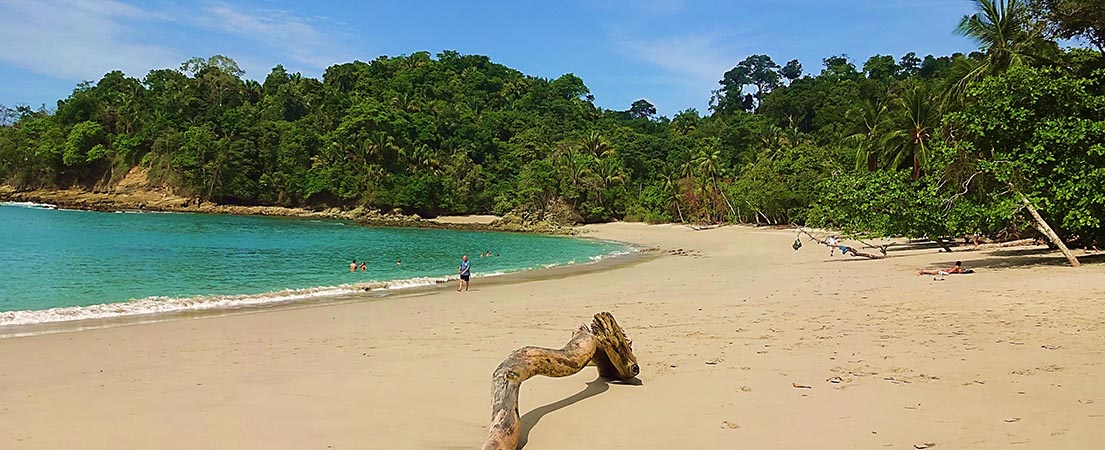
[168, 305]
[163, 305]
[31, 205]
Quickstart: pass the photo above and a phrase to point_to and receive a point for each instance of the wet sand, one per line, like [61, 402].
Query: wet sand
[1011, 356]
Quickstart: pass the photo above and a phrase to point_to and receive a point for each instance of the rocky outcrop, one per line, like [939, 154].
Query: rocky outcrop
[153, 200]
[557, 217]
[136, 192]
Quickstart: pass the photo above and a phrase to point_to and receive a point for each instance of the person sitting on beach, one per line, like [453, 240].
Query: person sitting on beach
[364, 266]
[465, 273]
[957, 268]
[353, 266]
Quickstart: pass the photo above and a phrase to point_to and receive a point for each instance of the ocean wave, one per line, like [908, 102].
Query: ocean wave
[163, 305]
[615, 254]
[32, 205]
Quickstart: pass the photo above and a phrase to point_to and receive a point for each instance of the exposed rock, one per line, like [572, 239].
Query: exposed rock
[136, 194]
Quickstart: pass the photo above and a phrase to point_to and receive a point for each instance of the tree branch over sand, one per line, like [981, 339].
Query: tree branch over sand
[604, 344]
[850, 250]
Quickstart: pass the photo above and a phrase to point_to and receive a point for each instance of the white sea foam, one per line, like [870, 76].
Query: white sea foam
[29, 205]
[627, 251]
[162, 305]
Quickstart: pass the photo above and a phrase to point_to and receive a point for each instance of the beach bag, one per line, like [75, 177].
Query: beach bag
[797, 244]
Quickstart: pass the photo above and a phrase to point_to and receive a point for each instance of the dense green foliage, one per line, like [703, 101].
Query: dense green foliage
[924, 146]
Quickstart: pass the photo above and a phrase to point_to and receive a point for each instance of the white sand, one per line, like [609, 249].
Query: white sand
[1009, 357]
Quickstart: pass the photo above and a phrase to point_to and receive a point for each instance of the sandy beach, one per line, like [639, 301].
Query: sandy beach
[1012, 356]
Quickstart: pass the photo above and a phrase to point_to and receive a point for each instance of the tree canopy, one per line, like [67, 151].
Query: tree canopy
[934, 145]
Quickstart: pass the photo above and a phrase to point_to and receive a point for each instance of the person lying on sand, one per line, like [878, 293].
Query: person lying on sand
[957, 268]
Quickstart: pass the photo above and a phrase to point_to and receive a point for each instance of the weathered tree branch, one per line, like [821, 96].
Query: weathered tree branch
[851, 250]
[882, 248]
[604, 343]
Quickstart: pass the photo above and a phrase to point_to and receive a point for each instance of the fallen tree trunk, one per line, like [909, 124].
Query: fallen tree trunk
[604, 344]
[851, 250]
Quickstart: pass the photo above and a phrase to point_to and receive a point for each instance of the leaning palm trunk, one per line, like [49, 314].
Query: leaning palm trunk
[725, 197]
[1046, 230]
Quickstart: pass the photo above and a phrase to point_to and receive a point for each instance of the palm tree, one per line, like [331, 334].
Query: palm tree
[772, 137]
[910, 142]
[609, 173]
[872, 115]
[594, 144]
[572, 165]
[671, 184]
[423, 157]
[1004, 31]
[380, 145]
[709, 166]
[775, 138]
[688, 167]
[406, 102]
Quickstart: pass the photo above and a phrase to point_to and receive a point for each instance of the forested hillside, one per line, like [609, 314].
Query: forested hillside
[897, 144]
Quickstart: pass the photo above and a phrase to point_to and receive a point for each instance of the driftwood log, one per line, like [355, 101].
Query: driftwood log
[604, 344]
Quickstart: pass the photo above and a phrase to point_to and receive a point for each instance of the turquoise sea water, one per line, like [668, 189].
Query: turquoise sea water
[95, 264]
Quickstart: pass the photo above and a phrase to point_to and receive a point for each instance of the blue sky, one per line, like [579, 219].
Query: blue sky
[669, 52]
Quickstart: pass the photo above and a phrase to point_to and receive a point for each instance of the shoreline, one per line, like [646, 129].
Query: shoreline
[302, 298]
[146, 200]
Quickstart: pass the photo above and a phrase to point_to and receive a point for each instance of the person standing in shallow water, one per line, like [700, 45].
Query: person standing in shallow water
[465, 273]
[353, 266]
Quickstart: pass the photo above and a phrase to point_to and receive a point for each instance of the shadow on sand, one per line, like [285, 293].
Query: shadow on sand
[1014, 258]
[596, 387]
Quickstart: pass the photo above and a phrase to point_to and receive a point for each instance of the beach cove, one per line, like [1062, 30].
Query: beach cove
[65, 265]
[723, 330]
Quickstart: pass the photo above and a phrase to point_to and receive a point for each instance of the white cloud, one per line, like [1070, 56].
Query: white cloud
[84, 39]
[78, 40]
[299, 38]
[695, 60]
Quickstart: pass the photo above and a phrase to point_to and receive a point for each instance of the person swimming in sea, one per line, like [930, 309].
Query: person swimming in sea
[398, 263]
[364, 266]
